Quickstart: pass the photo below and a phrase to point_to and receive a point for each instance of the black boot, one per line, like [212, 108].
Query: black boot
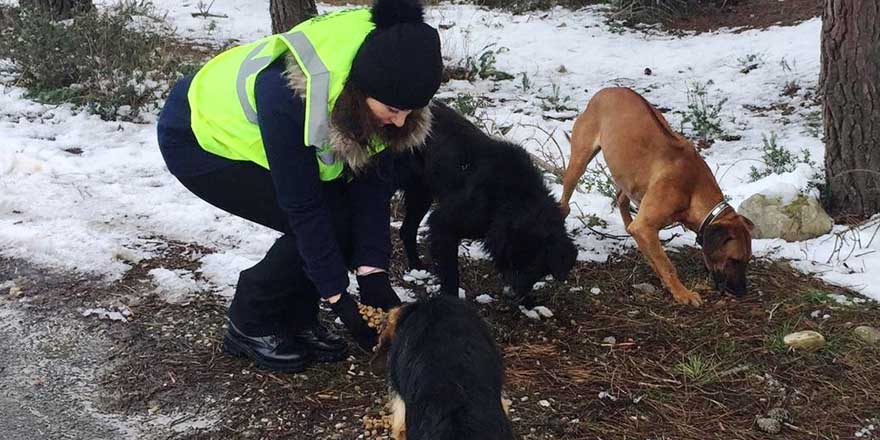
[325, 345]
[273, 352]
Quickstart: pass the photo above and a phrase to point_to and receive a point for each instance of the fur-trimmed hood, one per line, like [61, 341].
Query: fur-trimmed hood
[342, 143]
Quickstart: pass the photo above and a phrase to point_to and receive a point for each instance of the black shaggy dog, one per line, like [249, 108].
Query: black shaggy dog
[445, 373]
[485, 189]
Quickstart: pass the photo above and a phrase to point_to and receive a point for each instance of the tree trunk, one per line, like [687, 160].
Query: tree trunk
[849, 80]
[288, 13]
[58, 9]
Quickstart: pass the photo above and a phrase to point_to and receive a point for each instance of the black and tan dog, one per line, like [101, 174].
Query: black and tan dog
[445, 373]
[486, 189]
[663, 173]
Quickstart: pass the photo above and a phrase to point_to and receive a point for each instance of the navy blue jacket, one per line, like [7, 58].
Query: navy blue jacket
[294, 172]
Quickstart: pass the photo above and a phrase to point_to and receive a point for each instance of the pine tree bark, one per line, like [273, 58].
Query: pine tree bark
[288, 13]
[58, 9]
[849, 80]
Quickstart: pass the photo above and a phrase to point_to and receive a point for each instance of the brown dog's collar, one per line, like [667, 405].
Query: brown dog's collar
[710, 217]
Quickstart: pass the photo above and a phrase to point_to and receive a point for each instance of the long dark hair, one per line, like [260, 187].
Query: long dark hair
[352, 114]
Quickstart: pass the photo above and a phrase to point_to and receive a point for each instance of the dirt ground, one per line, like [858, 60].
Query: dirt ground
[670, 372]
[750, 14]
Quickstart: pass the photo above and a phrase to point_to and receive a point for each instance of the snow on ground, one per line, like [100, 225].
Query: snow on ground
[80, 193]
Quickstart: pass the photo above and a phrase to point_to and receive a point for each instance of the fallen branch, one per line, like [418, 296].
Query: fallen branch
[545, 165]
[208, 14]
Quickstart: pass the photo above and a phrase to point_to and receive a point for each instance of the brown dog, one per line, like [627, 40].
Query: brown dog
[665, 176]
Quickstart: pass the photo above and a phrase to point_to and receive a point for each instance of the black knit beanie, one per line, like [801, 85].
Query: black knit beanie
[399, 63]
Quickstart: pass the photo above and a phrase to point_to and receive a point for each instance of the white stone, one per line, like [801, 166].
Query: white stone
[543, 311]
[806, 340]
[868, 334]
[485, 299]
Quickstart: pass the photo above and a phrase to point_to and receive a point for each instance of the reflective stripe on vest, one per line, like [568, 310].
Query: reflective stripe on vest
[318, 93]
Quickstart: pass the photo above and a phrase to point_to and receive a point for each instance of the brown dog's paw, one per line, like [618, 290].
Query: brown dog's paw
[688, 297]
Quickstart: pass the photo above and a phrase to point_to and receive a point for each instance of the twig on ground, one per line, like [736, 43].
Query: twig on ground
[580, 218]
[208, 14]
[547, 155]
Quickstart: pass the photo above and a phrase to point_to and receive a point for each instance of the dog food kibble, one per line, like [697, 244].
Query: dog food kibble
[374, 316]
[377, 426]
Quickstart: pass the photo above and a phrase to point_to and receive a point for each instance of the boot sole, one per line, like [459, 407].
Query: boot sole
[234, 348]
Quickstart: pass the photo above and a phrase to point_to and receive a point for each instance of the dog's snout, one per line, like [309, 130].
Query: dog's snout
[736, 287]
[561, 275]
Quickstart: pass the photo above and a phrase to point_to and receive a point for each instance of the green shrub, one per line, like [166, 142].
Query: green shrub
[778, 160]
[479, 66]
[598, 179]
[555, 100]
[703, 113]
[117, 62]
[467, 105]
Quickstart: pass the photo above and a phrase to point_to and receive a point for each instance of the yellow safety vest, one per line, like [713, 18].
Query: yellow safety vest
[221, 96]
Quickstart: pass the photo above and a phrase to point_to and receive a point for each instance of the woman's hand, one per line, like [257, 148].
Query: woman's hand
[376, 291]
[346, 308]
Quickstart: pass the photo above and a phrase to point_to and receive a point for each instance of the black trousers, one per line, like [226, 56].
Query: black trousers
[274, 296]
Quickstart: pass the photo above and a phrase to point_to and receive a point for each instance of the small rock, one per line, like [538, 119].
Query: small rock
[648, 71]
[531, 314]
[868, 334]
[485, 299]
[544, 403]
[606, 395]
[780, 414]
[646, 288]
[609, 340]
[769, 425]
[544, 311]
[807, 340]
[595, 290]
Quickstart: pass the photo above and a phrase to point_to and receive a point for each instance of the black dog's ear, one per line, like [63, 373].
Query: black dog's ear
[714, 237]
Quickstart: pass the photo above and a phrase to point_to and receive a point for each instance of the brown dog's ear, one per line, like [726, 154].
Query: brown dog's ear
[379, 359]
[386, 338]
[748, 223]
[714, 237]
